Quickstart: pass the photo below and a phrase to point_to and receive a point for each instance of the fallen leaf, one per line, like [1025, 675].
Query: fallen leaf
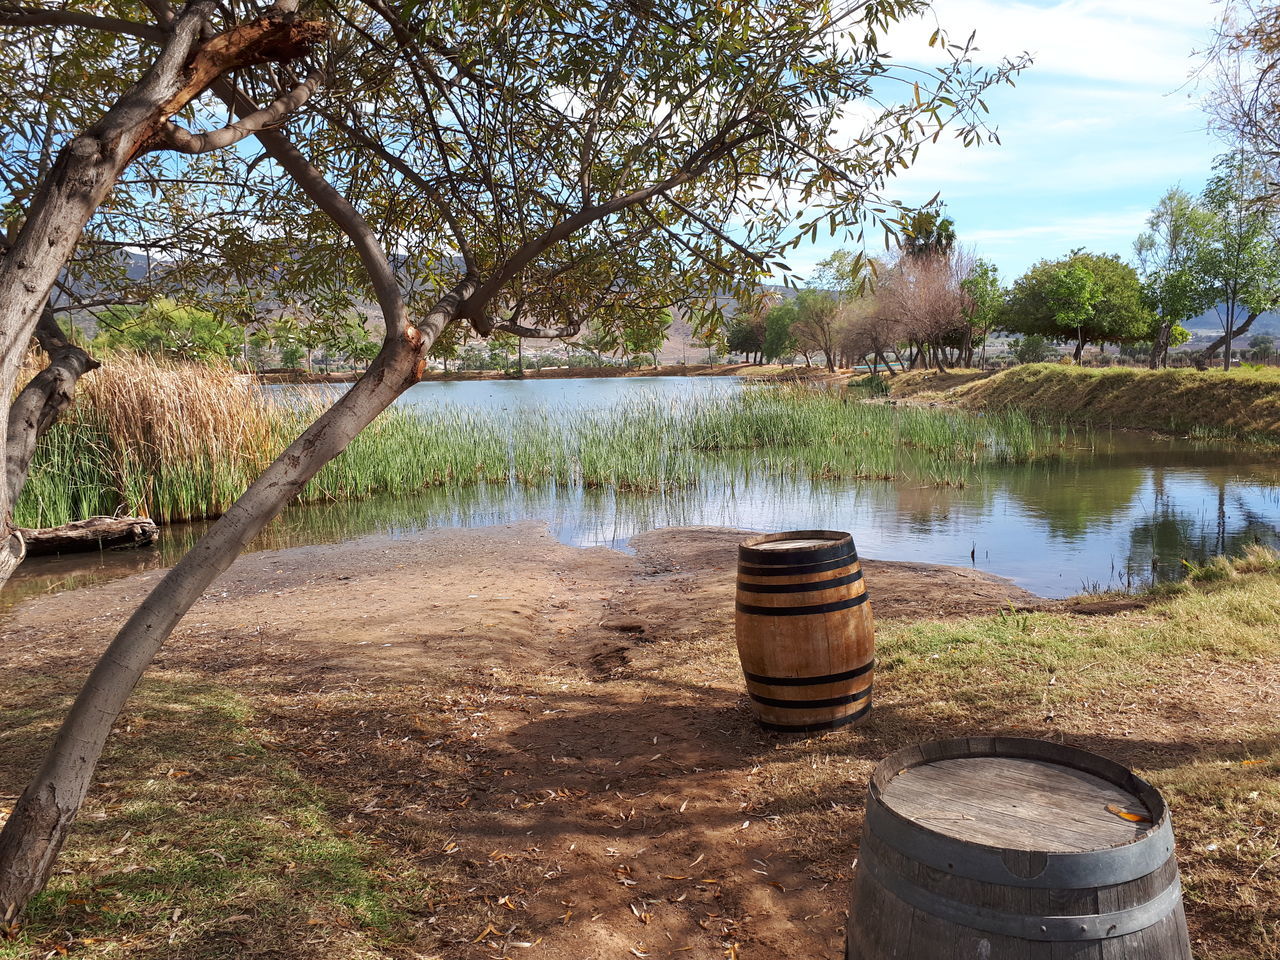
[1128, 814]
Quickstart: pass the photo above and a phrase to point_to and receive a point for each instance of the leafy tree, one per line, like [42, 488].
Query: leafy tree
[292, 355]
[582, 160]
[1240, 260]
[985, 299]
[815, 323]
[1085, 297]
[1171, 254]
[1032, 348]
[779, 336]
[647, 337]
[745, 335]
[928, 233]
[169, 329]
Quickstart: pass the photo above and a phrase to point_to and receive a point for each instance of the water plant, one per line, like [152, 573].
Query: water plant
[180, 441]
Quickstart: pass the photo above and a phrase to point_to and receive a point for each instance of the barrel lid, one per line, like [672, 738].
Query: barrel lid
[792, 544]
[797, 547]
[1034, 813]
[1017, 803]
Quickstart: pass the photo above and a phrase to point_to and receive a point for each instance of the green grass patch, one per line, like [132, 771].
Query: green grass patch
[199, 842]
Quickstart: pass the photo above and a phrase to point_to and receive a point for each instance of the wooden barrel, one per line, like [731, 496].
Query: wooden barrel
[998, 847]
[804, 629]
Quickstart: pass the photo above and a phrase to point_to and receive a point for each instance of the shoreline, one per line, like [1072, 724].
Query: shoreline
[750, 371]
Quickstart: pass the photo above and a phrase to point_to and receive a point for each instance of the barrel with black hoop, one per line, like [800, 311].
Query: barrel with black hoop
[1002, 848]
[804, 629]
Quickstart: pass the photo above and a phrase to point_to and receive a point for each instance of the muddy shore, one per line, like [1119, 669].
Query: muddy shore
[491, 597]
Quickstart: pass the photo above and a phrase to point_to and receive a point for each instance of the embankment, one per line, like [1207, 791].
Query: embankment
[1243, 404]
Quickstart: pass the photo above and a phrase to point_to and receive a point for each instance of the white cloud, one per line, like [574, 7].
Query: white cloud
[1099, 229]
[1143, 42]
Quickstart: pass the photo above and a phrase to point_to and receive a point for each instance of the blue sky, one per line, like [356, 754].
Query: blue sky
[1106, 119]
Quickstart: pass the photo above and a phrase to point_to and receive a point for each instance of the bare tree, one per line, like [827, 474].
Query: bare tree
[924, 297]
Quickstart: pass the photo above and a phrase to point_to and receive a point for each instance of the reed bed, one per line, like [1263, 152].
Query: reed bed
[178, 442]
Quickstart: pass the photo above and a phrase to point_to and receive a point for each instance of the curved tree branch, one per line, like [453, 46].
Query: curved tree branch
[174, 137]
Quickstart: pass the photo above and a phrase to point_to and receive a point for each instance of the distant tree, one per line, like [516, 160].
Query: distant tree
[867, 334]
[1032, 348]
[166, 328]
[985, 298]
[1263, 347]
[292, 355]
[1171, 255]
[1085, 298]
[647, 337]
[815, 324]
[354, 341]
[779, 337]
[924, 300]
[745, 335]
[929, 233]
[1240, 259]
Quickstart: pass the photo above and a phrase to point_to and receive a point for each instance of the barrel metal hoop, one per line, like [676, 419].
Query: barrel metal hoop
[832, 607]
[1062, 871]
[811, 681]
[1102, 926]
[815, 727]
[813, 704]
[811, 587]
[786, 558]
[797, 570]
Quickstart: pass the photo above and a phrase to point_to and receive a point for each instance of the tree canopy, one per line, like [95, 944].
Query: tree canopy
[1084, 297]
[518, 169]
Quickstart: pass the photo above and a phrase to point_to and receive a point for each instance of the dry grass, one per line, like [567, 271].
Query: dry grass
[1242, 404]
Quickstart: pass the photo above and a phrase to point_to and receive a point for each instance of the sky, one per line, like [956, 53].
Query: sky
[1106, 119]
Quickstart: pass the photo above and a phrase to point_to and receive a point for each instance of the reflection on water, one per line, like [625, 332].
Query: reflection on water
[1118, 514]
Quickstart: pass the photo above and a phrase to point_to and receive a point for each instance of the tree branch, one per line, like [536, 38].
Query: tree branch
[42, 400]
[712, 228]
[698, 162]
[12, 15]
[176, 138]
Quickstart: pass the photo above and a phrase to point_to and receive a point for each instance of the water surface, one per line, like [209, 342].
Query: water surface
[1119, 511]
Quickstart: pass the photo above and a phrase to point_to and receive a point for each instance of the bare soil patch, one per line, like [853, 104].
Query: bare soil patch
[559, 740]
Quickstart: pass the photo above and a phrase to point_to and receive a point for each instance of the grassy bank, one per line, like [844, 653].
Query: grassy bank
[181, 442]
[1242, 404]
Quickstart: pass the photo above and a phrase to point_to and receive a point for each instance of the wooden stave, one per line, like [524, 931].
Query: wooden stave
[1144, 895]
[763, 589]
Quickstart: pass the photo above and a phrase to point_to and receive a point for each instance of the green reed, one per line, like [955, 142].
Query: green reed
[114, 452]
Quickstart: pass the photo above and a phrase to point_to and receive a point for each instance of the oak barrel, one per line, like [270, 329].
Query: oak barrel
[804, 629]
[999, 847]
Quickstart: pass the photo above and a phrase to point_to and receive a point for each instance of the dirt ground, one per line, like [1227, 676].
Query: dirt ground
[501, 708]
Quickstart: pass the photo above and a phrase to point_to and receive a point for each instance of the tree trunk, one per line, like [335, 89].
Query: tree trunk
[1228, 336]
[1160, 346]
[1079, 348]
[95, 533]
[88, 167]
[41, 818]
[33, 836]
[1202, 358]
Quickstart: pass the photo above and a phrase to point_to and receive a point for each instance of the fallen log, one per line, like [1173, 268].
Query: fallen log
[96, 533]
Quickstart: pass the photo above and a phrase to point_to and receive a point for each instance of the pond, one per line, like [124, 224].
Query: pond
[1118, 510]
